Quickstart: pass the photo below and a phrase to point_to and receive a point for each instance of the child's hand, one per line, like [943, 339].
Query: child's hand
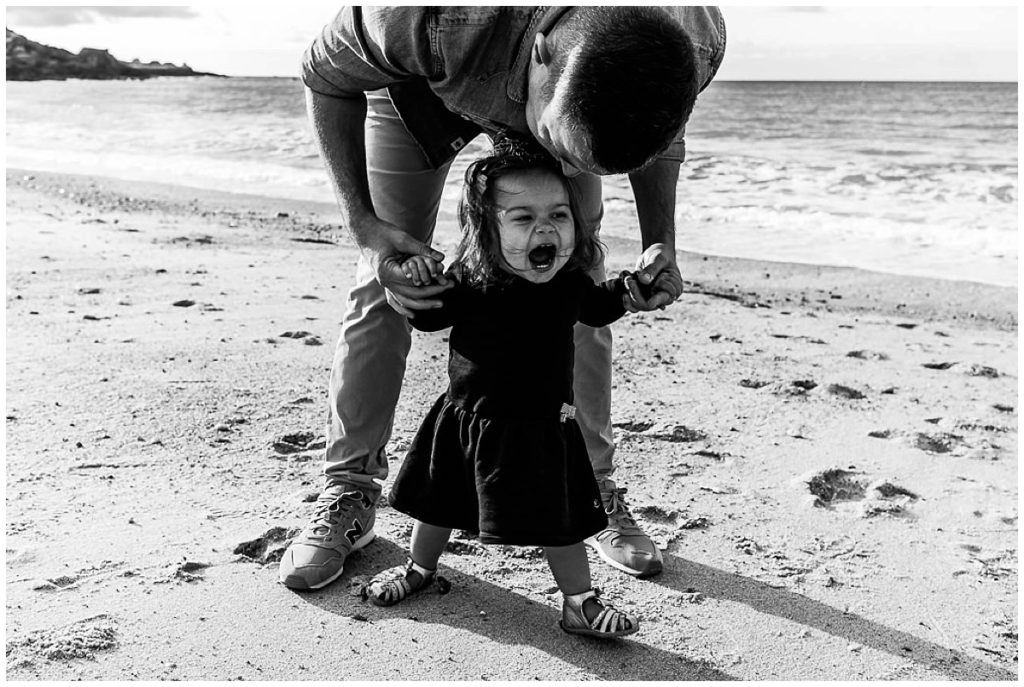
[421, 270]
[633, 285]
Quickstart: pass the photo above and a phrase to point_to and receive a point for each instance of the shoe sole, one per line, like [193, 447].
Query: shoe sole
[597, 635]
[298, 583]
[592, 543]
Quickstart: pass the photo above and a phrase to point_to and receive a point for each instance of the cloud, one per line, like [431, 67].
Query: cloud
[72, 15]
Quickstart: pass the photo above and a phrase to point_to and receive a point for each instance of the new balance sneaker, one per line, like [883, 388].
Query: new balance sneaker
[623, 544]
[342, 523]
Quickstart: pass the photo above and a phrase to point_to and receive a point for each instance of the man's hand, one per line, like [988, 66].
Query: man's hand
[658, 282]
[390, 249]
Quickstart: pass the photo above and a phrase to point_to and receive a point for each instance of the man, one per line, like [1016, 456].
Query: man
[393, 94]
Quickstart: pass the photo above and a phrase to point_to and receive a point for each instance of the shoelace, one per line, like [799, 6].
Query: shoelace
[617, 508]
[327, 513]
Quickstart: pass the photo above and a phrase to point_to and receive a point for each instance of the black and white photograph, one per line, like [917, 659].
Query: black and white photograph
[511, 343]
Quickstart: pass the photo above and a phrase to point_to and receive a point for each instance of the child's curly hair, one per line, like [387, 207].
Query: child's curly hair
[479, 250]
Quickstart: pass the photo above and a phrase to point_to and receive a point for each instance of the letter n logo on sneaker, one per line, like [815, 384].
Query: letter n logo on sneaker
[353, 534]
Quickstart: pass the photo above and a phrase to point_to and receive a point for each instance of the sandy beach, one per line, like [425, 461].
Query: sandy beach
[827, 456]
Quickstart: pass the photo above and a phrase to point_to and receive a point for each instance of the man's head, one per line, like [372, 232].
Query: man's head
[610, 87]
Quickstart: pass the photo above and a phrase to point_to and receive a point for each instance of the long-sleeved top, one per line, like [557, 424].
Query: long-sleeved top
[512, 346]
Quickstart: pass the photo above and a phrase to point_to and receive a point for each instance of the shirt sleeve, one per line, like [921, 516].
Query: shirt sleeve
[453, 306]
[369, 48]
[602, 303]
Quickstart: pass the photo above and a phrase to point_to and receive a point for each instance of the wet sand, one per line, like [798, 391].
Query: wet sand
[828, 457]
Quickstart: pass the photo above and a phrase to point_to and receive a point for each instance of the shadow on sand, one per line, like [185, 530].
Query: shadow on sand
[680, 574]
[609, 660]
[602, 659]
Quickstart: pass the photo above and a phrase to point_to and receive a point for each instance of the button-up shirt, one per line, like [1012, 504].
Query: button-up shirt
[453, 72]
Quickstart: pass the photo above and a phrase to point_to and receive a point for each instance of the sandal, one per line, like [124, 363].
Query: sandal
[391, 586]
[608, 623]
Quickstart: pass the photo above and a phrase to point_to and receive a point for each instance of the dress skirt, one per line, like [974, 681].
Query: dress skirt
[525, 481]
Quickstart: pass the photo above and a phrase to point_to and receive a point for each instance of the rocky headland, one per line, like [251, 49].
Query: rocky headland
[28, 60]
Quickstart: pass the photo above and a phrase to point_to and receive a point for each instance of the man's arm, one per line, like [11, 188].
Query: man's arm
[365, 49]
[338, 131]
[654, 189]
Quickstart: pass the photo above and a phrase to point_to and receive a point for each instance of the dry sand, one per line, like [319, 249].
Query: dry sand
[828, 456]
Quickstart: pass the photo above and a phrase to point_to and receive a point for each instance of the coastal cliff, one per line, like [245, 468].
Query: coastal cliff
[31, 61]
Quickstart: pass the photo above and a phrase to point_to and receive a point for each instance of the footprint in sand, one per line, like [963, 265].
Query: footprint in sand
[59, 583]
[307, 338]
[881, 497]
[80, 639]
[634, 425]
[268, 547]
[797, 387]
[298, 442]
[938, 442]
[938, 366]
[886, 498]
[867, 355]
[835, 485]
[846, 392]
[202, 239]
[670, 433]
[665, 527]
[187, 571]
[678, 434]
[983, 371]
[950, 443]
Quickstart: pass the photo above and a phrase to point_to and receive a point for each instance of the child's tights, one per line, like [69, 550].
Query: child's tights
[568, 564]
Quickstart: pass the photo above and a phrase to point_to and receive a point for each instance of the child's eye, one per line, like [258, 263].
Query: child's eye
[560, 215]
[522, 218]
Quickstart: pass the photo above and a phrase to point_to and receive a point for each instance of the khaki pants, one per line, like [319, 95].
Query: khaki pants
[369, 361]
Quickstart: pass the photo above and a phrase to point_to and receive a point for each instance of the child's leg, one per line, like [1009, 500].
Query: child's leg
[570, 567]
[427, 544]
[583, 612]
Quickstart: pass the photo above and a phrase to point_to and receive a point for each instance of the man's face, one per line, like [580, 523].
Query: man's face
[544, 115]
[536, 227]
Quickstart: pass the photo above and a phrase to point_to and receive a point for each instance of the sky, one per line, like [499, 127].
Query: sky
[906, 42]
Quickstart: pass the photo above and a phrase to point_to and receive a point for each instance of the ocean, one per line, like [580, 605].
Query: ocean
[909, 178]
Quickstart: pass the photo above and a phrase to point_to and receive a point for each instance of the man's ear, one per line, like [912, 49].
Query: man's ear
[542, 49]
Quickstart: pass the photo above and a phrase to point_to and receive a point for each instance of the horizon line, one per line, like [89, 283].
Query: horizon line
[793, 80]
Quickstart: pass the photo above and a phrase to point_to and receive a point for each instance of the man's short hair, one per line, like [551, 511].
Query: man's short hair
[632, 86]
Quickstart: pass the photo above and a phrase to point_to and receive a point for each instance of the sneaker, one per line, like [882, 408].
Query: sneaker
[623, 544]
[343, 523]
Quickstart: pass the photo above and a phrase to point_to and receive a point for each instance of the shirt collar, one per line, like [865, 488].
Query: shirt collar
[542, 21]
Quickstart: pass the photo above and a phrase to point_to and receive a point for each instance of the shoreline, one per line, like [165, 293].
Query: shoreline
[833, 481]
[779, 284]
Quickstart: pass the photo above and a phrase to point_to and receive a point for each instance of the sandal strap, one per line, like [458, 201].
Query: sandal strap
[576, 600]
[610, 620]
[392, 585]
[425, 573]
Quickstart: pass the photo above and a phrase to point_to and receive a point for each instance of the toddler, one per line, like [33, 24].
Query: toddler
[500, 453]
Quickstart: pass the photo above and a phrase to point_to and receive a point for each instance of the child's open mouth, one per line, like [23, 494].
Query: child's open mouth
[542, 257]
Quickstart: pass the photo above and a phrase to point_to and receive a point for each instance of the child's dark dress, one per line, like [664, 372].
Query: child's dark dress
[494, 455]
